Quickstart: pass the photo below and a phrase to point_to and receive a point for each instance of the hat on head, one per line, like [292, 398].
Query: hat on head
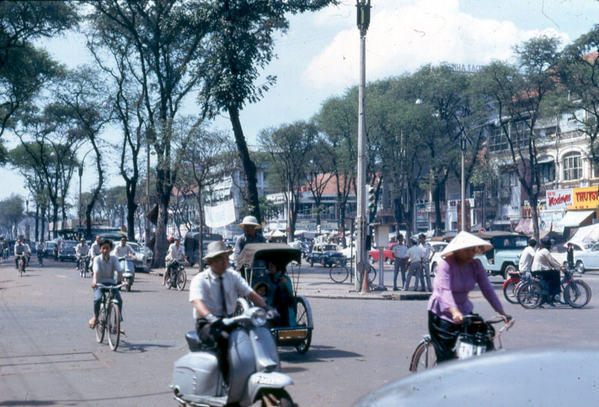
[216, 249]
[250, 221]
[414, 240]
[465, 240]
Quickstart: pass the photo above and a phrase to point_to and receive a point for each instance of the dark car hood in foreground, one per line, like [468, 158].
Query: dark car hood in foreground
[533, 377]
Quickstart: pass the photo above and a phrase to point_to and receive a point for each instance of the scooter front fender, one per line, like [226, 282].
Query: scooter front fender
[261, 380]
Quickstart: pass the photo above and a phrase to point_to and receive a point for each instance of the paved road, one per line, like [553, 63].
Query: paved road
[49, 357]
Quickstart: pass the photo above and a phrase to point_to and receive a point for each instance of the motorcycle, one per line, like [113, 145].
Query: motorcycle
[40, 258]
[254, 367]
[128, 271]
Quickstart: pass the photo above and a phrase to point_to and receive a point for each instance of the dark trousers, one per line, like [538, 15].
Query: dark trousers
[399, 264]
[212, 339]
[552, 279]
[444, 335]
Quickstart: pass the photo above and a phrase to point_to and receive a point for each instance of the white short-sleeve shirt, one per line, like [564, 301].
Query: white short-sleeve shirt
[206, 287]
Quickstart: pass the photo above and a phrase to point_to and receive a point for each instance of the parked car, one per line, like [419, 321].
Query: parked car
[326, 254]
[349, 252]
[142, 264]
[438, 247]
[66, 250]
[373, 255]
[505, 255]
[586, 255]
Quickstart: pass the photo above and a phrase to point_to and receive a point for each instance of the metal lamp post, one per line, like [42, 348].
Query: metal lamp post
[361, 266]
[80, 214]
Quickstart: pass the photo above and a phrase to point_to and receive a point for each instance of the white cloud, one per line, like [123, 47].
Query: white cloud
[405, 35]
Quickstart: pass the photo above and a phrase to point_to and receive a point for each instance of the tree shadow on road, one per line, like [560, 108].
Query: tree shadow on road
[142, 347]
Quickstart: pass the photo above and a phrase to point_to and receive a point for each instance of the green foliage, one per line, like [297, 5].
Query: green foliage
[12, 210]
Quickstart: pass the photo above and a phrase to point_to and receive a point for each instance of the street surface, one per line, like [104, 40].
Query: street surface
[49, 357]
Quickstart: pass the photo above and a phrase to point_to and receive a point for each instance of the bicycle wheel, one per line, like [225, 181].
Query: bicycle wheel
[114, 325]
[371, 274]
[181, 280]
[509, 292]
[21, 267]
[424, 356]
[339, 274]
[529, 295]
[303, 315]
[101, 324]
[167, 283]
[577, 294]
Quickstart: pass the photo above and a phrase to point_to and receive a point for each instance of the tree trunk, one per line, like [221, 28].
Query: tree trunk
[131, 209]
[437, 199]
[37, 222]
[160, 247]
[249, 168]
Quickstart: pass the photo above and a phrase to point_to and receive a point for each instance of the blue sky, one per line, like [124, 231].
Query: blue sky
[318, 57]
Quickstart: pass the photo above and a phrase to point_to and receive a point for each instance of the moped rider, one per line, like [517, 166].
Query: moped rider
[214, 293]
[39, 248]
[527, 257]
[547, 268]
[20, 249]
[124, 250]
[176, 252]
[81, 250]
[95, 248]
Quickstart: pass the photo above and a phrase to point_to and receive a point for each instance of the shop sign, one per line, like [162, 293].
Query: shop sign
[559, 199]
[421, 214]
[585, 198]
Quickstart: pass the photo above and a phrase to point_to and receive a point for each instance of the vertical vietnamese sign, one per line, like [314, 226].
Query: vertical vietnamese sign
[585, 198]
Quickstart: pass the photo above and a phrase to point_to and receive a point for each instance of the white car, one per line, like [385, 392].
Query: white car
[437, 249]
[586, 256]
[349, 252]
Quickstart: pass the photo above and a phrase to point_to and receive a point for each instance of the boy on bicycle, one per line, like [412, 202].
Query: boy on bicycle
[105, 267]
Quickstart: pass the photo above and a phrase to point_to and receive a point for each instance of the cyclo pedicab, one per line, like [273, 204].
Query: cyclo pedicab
[295, 327]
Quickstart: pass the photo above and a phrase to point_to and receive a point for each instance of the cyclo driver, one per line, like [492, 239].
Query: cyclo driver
[213, 293]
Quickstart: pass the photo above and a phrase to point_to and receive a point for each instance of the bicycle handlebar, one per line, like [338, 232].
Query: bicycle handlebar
[100, 285]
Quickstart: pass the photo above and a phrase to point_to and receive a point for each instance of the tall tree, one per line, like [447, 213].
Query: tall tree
[12, 211]
[319, 172]
[241, 45]
[25, 68]
[161, 43]
[522, 94]
[289, 147]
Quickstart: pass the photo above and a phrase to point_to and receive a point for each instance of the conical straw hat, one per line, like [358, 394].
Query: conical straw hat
[465, 240]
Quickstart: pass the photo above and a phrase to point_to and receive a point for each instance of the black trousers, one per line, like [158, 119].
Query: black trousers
[444, 335]
[218, 342]
[552, 278]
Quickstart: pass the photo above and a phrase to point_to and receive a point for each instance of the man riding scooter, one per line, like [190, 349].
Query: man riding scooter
[21, 250]
[213, 293]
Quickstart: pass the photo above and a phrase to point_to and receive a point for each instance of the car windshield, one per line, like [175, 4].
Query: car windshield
[69, 245]
[510, 242]
[329, 247]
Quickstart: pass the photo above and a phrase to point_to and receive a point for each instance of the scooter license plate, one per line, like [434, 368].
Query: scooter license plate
[292, 334]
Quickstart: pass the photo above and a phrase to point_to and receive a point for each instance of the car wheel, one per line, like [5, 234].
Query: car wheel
[509, 269]
[580, 267]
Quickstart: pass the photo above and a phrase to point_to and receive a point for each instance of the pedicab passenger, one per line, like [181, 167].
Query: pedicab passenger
[280, 293]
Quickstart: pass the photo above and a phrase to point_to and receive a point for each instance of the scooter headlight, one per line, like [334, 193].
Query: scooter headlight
[259, 317]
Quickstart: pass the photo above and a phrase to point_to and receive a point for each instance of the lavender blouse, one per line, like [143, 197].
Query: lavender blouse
[452, 285]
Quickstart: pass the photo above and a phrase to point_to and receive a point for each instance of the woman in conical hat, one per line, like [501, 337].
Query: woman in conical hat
[457, 274]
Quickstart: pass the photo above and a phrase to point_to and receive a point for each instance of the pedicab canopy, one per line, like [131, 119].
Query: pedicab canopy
[279, 253]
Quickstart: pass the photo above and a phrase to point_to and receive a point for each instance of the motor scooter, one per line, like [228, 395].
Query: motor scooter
[128, 271]
[253, 361]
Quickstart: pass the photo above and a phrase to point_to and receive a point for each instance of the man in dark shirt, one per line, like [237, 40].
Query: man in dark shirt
[250, 225]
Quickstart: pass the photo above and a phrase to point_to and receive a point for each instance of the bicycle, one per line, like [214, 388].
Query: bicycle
[109, 316]
[176, 276]
[512, 285]
[40, 258]
[83, 265]
[21, 263]
[476, 337]
[575, 293]
[340, 273]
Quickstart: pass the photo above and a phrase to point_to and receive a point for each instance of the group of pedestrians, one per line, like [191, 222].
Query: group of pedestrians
[416, 260]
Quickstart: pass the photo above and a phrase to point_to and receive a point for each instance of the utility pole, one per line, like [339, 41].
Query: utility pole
[363, 9]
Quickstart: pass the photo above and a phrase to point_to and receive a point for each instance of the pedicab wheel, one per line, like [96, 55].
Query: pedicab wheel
[113, 326]
[577, 294]
[181, 280]
[509, 292]
[303, 315]
[275, 397]
[101, 324]
[529, 295]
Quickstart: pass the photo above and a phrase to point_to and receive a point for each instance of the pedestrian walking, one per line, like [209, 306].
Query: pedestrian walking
[427, 253]
[415, 259]
[400, 260]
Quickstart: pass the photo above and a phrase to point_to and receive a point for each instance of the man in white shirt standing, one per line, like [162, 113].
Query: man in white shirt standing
[527, 257]
[415, 258]
[427, 253]
[176, 252]
[400, 260]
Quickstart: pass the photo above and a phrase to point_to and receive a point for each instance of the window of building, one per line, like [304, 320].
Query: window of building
[547, 172]
[572, 166]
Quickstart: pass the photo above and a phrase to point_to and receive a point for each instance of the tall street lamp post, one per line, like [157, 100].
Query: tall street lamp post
[80, 212]
[363, 9]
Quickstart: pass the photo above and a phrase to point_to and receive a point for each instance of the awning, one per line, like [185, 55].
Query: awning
[574, 219]
[524, 226]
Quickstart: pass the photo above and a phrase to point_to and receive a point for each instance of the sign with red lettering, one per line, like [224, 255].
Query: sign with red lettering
[585, 198]
[559, 199]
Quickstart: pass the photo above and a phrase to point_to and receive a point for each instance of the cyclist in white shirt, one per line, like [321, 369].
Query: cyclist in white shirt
[95, 249]
[81, 250]
[176, 252]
